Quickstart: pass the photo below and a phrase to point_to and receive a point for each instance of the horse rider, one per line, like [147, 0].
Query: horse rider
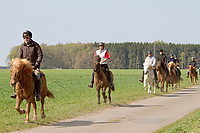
[150, 60]
[172, 59]
[31, 51]
[176, 61]
[193, 63]
[104, 64]
[163, 57]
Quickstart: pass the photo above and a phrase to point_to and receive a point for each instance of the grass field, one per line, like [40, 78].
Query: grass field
[73, 97]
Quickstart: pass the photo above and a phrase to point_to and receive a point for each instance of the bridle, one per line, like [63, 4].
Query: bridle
[17, 79]
[97, 68]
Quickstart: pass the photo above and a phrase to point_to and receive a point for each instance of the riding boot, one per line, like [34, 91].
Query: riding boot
[14, 95]
[111, 82]
[177, 74]
[142, 79]
[38, 89]
[187, 74]
[92, 81]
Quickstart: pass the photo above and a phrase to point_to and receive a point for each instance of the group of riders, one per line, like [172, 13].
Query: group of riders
[152, 61]
[32, 51]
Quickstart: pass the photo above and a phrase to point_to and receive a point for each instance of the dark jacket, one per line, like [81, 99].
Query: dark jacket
[176, 61]
[162, 57]
[171, 59]
[193, 63]
[32, 53]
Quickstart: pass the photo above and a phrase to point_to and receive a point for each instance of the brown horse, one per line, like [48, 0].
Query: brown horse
[172, 72]
[192, 73]
[100, 80]
[23, 81]
[162, 74]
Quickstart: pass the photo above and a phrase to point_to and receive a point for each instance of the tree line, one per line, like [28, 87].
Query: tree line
[127, 55]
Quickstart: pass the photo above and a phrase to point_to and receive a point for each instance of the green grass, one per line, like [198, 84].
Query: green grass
[73, 97]
[188, 124]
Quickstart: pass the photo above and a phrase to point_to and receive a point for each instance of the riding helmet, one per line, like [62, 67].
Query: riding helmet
[161, 50]
[149, 52]
[101, 44]
[171, 55]
[27, 33]
[175, 55]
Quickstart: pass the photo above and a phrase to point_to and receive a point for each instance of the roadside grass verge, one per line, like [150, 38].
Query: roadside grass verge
[188, 124]
[73, 97]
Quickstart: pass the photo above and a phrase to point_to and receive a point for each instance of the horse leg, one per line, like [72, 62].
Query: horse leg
[172, 86]
[145, 85]
[98, 95]
[149, 88]
[17, 107]
[34, 109]
[162, 86]
[42, 108]
[167, 84]
[104, 94]
[109, 97]
[28, 105]
[154, 85]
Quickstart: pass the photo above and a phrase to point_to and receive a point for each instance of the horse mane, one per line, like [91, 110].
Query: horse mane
[171, 63]
[22, 64]
[97, 58]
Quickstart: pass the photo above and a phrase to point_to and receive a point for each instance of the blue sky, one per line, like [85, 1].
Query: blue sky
[54, 21]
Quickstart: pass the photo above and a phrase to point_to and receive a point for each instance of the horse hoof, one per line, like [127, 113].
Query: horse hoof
[26, 122]
[43, 116]
[34, 119]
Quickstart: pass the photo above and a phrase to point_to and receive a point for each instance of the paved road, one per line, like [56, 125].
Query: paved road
[143, 116]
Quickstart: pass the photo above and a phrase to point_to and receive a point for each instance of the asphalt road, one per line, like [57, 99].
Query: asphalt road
[144, 116]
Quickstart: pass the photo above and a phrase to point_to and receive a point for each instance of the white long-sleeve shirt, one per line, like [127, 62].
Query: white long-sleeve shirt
[150, 60]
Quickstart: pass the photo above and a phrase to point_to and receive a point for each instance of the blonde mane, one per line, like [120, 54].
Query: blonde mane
[22, 64]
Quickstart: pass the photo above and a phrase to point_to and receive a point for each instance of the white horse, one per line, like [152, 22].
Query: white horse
[149, 77]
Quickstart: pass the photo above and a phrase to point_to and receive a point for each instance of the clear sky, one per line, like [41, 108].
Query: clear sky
[54, 21]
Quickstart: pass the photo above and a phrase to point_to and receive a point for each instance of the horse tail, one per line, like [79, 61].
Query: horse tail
[50, 95]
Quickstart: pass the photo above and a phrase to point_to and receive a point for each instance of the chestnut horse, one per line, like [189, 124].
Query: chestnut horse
[23, 81]
[100, 80]
[192, 73]
[172, 72]
[162, 74]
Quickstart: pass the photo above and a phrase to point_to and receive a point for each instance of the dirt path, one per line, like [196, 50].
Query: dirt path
[143, 116]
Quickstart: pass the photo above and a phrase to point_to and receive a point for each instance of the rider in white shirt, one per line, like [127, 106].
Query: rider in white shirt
[150, 60]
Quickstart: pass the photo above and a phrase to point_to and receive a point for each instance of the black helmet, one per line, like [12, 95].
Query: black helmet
[161, 50]
[171, 55]
[27, 33]
[175, 55]
[149, 52]
[101, 44]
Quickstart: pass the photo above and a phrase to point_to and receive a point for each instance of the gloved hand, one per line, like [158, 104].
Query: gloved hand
[35, 66]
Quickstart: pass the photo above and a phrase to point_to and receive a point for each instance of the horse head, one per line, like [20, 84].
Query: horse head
[160, 64]
[171, 66]
[96, 63]
[19, 66]
[147, 68]
[190, 68]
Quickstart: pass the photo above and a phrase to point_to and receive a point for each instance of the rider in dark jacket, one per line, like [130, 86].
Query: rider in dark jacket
[193, 63]
[163, 57]
[31, 51]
